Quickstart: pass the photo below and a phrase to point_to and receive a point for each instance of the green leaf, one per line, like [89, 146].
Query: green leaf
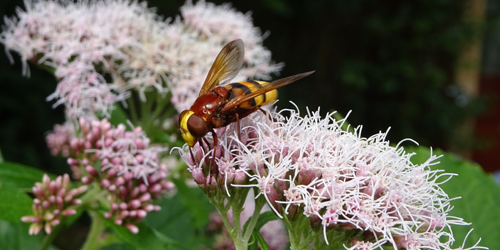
[14, 204]
[263, 219]
[194, 202]
[480, 202]
[118, 116]
[176, 221]
[146, 239]
[14, 236]
[260, 239]
[19, 176]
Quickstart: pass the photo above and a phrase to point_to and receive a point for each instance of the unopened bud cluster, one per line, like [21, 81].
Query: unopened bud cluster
[223, 172]
[53, 201]
[122, 163]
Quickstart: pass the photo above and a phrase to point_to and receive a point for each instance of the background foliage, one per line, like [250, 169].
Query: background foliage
[390, 62]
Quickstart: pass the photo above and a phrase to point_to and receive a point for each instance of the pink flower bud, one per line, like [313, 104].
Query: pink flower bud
[134, 204]
[87, 180]
[133, 228]
[145, 197]
[123, 206]
[48, 228]
[91, 170]
[119, 181]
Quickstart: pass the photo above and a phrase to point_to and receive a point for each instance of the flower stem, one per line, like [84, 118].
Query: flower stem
[133, 110]
[94, 240]
[49, 238]
[259, 203]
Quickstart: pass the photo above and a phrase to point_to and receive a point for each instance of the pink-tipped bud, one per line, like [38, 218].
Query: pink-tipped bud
[85, 161]
[140, 144]
[104, 162]
[122, 192]
[145, 197]
[143, 188]
[111, 173]
[128, 176]
[66, 181]
[132, 228]
[141, 214]
[108, 142]
[119, 181]
[48, 228]
[87, 180]
[108, 215]
[55, 222]
[69, 212]
[91, 170]
[105, 183]
[155, 188]
[116, 160]
[45, 204]
[134, 204]
[123, 214]
[123, 206]
[149, 208]
[112, 188]
[118, 222]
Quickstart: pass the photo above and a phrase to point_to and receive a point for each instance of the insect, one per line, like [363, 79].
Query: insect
[219, 104]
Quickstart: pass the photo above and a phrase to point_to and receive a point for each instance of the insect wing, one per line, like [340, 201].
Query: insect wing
[265, 88]
[226, 66]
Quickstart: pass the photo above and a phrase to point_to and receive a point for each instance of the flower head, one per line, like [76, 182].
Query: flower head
[310, 168]
[123, 163]
[84, 41]
[53, 201]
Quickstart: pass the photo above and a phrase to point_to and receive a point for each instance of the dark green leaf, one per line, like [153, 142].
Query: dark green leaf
[175, 221]
[19, 176]
[146, 239]
[118, 116]
[14, 236]
[480, 202]
[14, 204]
[263, 219]
[262, 243]
[194, 203]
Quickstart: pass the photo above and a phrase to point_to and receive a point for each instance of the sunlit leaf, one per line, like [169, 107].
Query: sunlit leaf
[480, 202]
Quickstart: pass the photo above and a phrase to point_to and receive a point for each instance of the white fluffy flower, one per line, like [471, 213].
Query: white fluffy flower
[128, 42]
[310, 168]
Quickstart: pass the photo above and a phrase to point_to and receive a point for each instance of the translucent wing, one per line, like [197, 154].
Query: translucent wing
[265, 88]
[226, 66]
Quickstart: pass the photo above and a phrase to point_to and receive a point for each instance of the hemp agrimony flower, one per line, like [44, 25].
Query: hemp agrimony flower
[53, 200]
[122, 163]
[83, 41]
[330, 187]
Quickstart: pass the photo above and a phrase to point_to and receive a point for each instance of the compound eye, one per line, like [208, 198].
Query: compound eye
[197, 126]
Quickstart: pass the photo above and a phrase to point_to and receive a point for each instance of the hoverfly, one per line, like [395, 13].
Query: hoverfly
[219, 104]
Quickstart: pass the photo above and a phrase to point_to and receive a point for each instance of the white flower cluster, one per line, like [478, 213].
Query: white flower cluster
[340, 180]
[122, 39]
[309, 167]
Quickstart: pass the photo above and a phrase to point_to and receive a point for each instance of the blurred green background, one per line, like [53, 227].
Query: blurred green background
[392, 63]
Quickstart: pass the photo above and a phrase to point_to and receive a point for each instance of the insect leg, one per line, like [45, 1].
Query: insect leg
[238, 126]
[208, 144]
[192, 157]
[215, 169]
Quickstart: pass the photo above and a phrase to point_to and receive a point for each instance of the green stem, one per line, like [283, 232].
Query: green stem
[94, 240]
[133, 110]
[259, 203]
[49, 238]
